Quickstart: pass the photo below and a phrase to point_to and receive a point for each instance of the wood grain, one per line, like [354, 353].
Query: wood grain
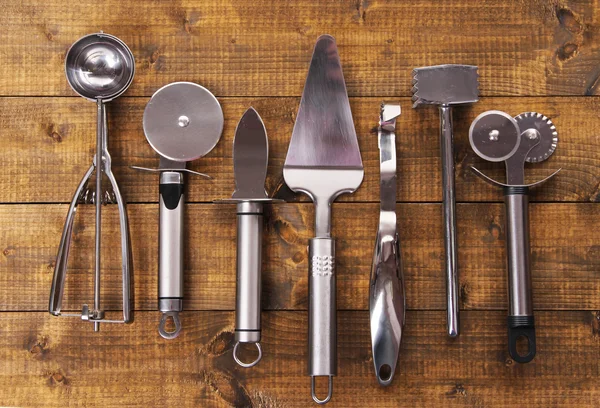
[49, 144]
[262, 48]
[565, 256]
[540, 55]
[61, 362]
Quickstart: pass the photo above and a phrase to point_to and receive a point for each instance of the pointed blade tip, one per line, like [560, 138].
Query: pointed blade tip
[326, 37]
[250, 156]
[325, 71]
[249, 116]
[250, 112]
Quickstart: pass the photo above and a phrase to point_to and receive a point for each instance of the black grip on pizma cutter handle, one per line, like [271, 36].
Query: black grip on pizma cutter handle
[171, 193]
[521, 326]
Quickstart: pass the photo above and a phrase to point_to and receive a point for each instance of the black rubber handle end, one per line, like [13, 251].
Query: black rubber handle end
[521, 326]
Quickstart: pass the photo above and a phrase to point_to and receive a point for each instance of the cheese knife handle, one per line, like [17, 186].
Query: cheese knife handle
[322, 334]
[249, 262]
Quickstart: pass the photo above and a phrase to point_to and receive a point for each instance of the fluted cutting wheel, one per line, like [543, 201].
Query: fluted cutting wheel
[546, 130]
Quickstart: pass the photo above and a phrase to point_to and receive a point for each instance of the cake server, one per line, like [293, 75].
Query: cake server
[183, 121]
[250, 160]
[323, 161]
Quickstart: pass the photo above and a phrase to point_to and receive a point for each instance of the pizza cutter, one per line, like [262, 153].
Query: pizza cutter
[529, 137]
[183, 121]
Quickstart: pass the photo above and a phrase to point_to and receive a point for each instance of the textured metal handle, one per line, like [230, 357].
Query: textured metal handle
[449, 208]
[322, 334]
[520, 308]
[249, 262]
[170, 266]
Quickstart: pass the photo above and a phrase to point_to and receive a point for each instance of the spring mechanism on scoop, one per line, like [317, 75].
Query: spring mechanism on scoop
[88, 196]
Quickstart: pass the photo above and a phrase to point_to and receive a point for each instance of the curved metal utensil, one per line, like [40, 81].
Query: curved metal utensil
[386, 297]
[183, 121]
[99, 67]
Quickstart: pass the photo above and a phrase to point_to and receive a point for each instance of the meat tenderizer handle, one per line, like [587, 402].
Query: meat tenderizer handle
[520, 310]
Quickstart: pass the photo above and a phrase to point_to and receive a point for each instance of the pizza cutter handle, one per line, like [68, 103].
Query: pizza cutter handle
[170, 267]
[520, 309]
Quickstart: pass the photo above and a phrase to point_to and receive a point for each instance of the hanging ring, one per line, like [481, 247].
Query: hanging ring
[240, 362]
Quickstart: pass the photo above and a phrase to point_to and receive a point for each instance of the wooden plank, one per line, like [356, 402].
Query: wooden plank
[565, 261]
[62, 362]
[263, 48]
[49, 144]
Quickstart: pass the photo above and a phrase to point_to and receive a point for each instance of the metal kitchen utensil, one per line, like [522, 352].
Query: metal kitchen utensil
[446, 86]
[386, 296]
[323, 161]
[496, 136]
[250, 159]
[183, 122]
[99, 67]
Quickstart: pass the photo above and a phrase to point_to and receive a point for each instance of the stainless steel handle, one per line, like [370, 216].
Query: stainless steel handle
[170, 267]
[62, 258]
[520, 307]
[322, 334]
[126, 265]
[249, 263]
[387, 307]
[386, 296]
[449, 211]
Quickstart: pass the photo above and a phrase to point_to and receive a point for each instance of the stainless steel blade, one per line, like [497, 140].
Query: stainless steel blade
[168, 164]
[323, 159]
[250, 157]
[183, 121]
[324, 134]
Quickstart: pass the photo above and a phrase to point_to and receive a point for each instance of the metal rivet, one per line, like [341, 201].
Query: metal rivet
[183, 121]
[494, 135]
[532, 134]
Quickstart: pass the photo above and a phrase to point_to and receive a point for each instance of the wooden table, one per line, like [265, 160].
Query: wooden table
[541, 55]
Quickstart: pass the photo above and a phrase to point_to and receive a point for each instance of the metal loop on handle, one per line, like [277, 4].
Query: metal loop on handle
[163, 321]
[314, 395]
[240, 362]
